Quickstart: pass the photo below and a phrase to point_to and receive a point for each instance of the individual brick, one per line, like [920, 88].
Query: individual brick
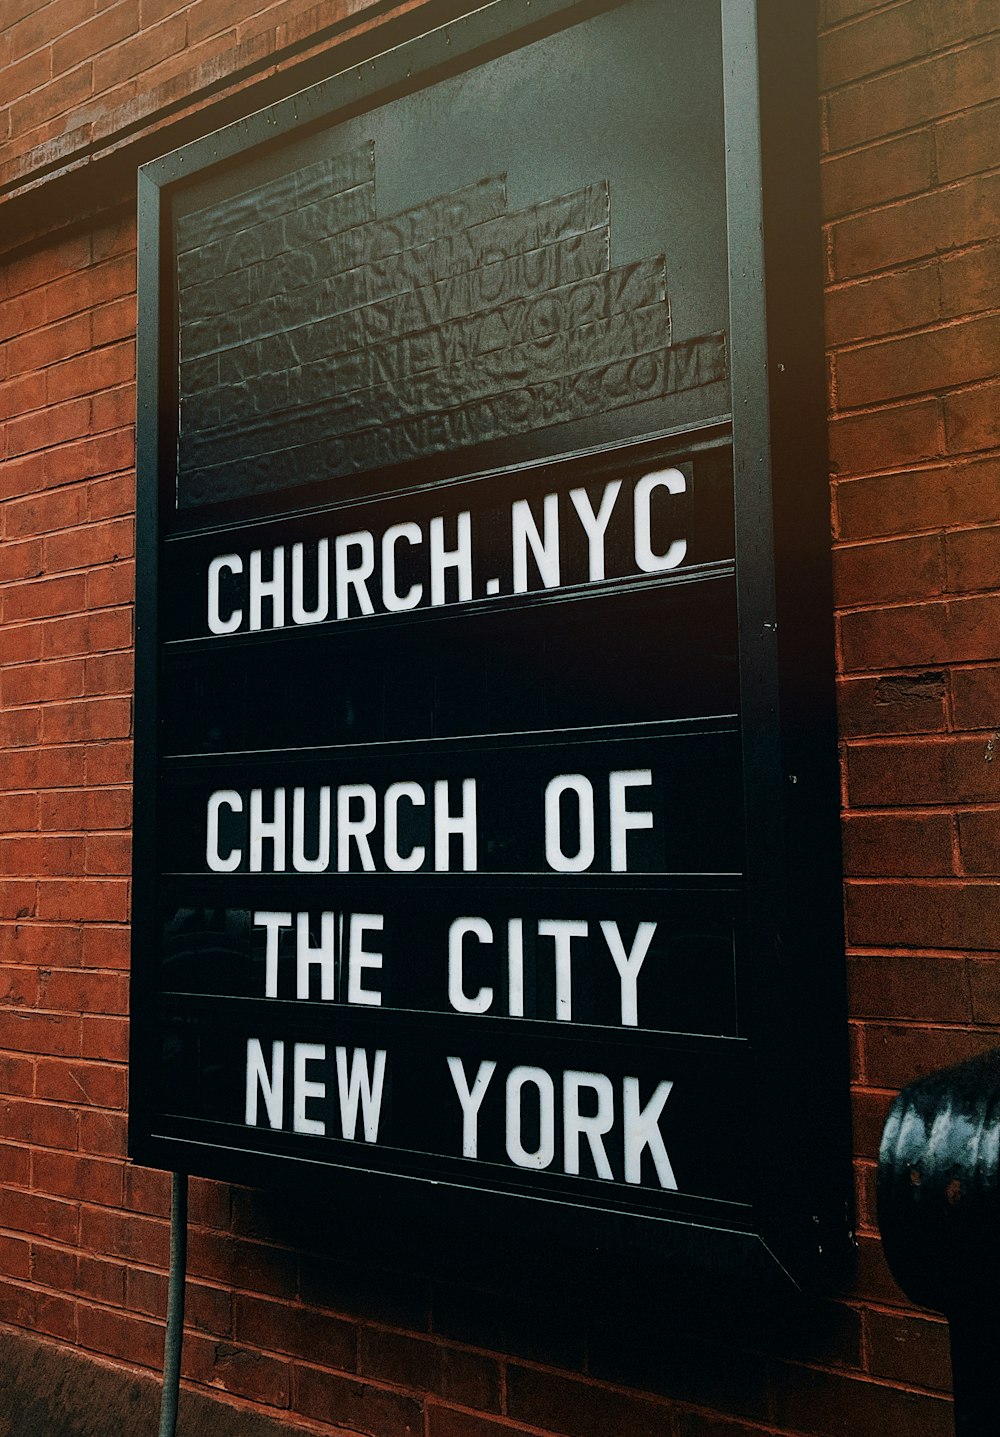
[909, 986]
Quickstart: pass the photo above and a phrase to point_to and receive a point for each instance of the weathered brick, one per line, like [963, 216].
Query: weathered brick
[240, 1370]
[103, 1133]
[35, 1213]
[468, 1378]
[979, 839]
[120, 1335]
[88, 633]
[226, 1260]
[45, 513]
[46, 346]
[984, 985]
[923, 499]
[108, 854]
[904, 98]
[41, 944]
[95, 544]
[884, 305]
[124, 1235]
[69, 1175]
[134, 56]
[104, 1038]
[828, 1404]
[81, 810]
[20, 561]
[15, 1254]
[958, 914]
[897, 1054]
[898, 844]
[970, 418]
[299, 1331]
[583, 1409]
[100, 1279]
[450, 1422]
[104, 947]
[36, 683]
[101, 900]
[27, 1032]
[106, 28]
[914, 1351]
[360, 1406]
[970, 281]
[895, 438]
[920, 772]
[99, 1085]
[973, 559]
[945, 358]
[911, 987]
[56, 424]
[29, 857]
[903, 569]
[917, 634]
[915, 228]
[43, 598]
[64, 92]
[18, 1075]
[965, 143]
[876, 42]
[91, 373]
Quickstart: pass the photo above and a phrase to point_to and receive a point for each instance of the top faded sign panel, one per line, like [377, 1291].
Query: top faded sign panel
[424, 282]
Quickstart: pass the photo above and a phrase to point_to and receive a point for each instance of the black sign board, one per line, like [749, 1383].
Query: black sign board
[485, 791]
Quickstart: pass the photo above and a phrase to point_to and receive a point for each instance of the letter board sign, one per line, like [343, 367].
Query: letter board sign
[485, 814]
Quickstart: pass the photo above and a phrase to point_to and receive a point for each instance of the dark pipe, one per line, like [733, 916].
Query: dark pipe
[174, 1336]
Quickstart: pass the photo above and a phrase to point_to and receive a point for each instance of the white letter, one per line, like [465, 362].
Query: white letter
[216, 623]
[394, 602]
[358, 829]
[642, 1131]
[272, 588]
[628, 964]
[358, 958]
[213, 857]
[545, 1151]
[300, 862]
[595, 525]
[649, 562]
[563, 930]
[464, 823]
[459, 558]
[272, 922]
[360, 1085]
[554, 790]
[515, 968]
[483, 1000]
[354, 576]
[622, 819]
[394, 860]
[305, 1053]
[471, 1100]
[300, 614]
[546, 550]
[271, 1084]
[575, 1125]
[273, 831]
[306, 956]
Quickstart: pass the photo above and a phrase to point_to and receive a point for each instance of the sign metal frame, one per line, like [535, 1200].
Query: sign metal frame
[794, 1000]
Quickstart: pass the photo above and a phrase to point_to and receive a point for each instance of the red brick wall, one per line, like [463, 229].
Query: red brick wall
[912, 194]
[85, 73]
[912, 190]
